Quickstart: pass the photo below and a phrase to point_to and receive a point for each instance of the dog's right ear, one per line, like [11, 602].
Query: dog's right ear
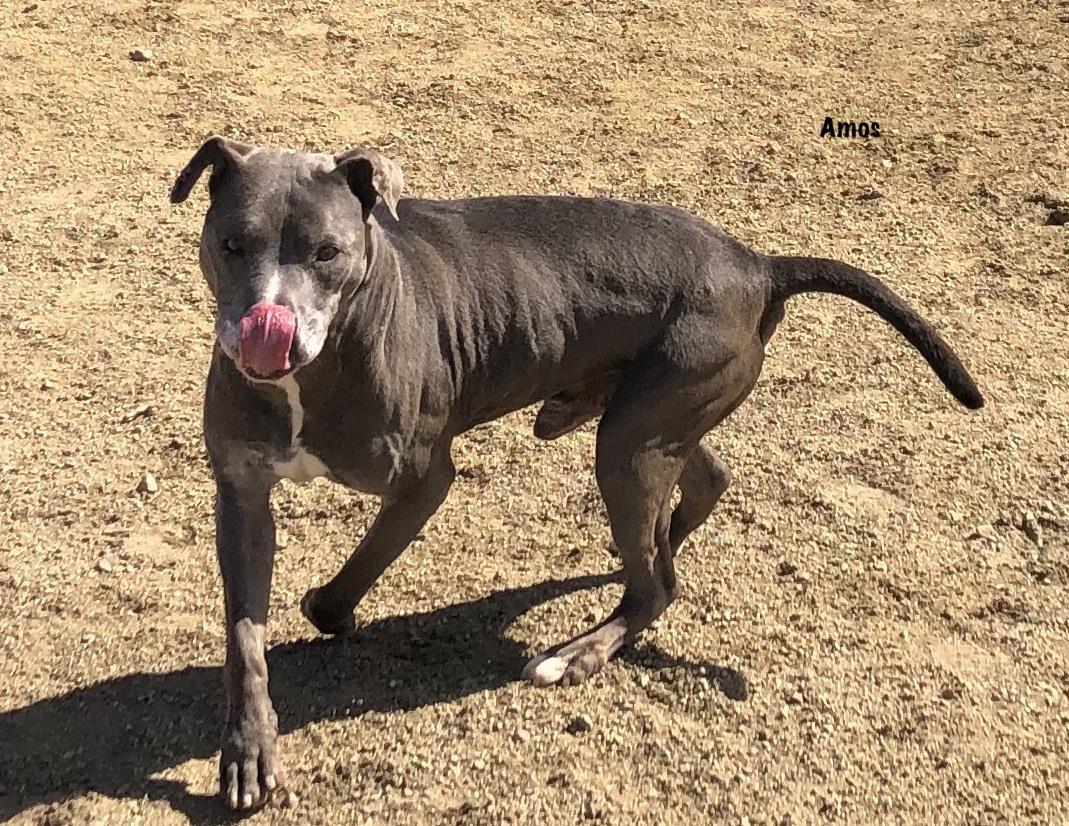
[221, 154]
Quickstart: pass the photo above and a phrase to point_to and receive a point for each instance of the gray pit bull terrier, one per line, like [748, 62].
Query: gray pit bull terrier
[359, 334]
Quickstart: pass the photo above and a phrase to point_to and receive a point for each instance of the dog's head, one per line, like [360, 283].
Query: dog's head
[284, 239]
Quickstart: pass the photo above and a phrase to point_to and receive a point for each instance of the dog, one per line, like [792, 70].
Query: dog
[357, 334]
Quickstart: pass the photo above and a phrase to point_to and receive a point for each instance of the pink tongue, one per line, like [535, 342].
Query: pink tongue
[266, 338]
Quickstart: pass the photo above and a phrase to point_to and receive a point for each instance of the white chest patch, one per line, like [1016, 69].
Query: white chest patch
[298, 465]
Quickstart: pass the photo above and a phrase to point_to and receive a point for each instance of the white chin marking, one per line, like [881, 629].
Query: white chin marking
[546, 670]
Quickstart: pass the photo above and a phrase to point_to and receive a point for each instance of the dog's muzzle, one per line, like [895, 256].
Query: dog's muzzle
[265, 339]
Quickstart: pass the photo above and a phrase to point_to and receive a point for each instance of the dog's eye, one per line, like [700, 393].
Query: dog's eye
[232, 247]
[327, 252]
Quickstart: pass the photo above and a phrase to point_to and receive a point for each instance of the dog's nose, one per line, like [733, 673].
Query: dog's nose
[265, 338]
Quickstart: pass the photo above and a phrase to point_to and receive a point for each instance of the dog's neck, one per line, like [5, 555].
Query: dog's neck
[374, 315]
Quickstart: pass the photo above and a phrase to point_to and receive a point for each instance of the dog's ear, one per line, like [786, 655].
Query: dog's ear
[371, 176]
[221, 154]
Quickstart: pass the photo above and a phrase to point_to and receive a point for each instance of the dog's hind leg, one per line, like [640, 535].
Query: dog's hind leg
[704, 479]
[635, 486]
[645, 440]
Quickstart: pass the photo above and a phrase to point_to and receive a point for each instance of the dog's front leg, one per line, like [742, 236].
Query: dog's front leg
[245, 542]
[400, 519]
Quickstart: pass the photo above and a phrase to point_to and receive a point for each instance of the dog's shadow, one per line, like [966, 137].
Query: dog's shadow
[111, 737]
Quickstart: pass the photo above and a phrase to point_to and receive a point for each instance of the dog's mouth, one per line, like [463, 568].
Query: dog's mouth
[266, 342]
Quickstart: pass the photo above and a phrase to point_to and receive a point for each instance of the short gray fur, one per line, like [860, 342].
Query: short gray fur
[434, 316]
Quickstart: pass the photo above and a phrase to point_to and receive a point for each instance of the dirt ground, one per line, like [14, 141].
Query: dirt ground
[874, 624]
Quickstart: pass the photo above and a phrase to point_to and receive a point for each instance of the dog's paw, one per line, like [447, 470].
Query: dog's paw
[570, 665]
[248, 766]
[324, 621]
[545, 670]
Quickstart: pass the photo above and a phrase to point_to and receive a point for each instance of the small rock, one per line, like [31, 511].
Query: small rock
[145, 410]
[148, 484]
[983, 532]
[47, 384]
[886, 163]
[1006, 518]
[579, 724]
[142, 55]
[1058, 217]
[871, 195]
[1031, 529]
[1049, 198]
[105, 565]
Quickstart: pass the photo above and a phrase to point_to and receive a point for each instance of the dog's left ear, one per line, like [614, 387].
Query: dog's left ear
[371, 176]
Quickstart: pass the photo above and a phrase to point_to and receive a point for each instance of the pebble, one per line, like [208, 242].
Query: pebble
[105, 565]
[148, 484]
[983, 532]
[142, 55]
[1058, 217]
[137, 412]
[579, 724]
[1031, 529]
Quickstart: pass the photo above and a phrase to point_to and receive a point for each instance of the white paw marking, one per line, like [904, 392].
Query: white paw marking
[547, 671]
[299, 465]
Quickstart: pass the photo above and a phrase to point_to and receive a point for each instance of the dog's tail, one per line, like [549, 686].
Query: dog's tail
[796, 274]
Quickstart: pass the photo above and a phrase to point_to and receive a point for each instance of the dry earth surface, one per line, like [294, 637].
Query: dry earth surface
[874, 624]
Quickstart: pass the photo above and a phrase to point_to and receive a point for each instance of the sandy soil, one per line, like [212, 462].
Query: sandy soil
[872, 628]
